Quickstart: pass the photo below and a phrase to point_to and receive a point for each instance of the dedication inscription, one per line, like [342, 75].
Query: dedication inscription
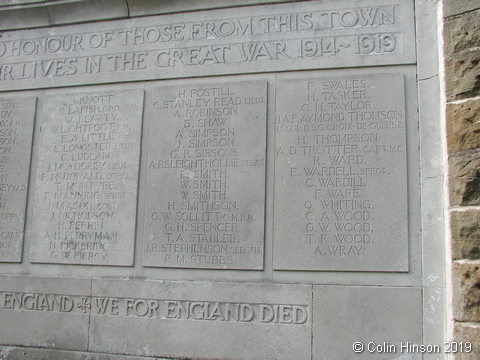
[279, 37]
[16, 128]
[206, 176]
[86, 187]
[341, 184]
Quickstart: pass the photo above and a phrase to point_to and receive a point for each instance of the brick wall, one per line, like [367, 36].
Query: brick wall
[462, 86]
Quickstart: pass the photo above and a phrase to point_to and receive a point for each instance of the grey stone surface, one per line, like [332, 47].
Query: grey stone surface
[341, 180]
[201, 320]
[87, 175]
[272, 38]
[205, 193]
[374, 316]
[22, 353]
[44, 312]
[150, 7]
[16, 130]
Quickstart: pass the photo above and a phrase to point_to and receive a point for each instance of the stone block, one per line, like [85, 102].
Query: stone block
[456, 7]
[462, 74]
[201, 320]
[87, 175]
[23, 353]
[87, 10]
[464, 177]
[466, 291]
[23, 18]
[205, 194]
[467, 333]
[16, 131]
[151, 7]
[465, 230]
[341, 179]
[44, 312]
[463, 125]
[374, 316]
[461, 33]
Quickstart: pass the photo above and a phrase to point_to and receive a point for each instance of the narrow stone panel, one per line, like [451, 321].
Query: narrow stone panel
[16, 129]
[44, 311]
[201, 320]
[385, 323]
[277, 37]
[205, 192]
[86, 187]
[341, 175]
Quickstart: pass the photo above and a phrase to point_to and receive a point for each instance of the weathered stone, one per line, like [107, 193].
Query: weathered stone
[461, 33]
[206, 176]
[466, 291]
[23, 353]
[467, 333]
[341, 179]
[464, 177]
[87, 176]
[465, 230]
[373, 316]
[277, 37]
[455, 7]
[16, 130]
[463, 125]
[462, 75]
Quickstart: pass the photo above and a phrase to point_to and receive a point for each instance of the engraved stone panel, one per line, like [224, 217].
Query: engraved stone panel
[16, 128]
[206, 176]
[201, 320]
[388, 317]
[278, 37]
[86, 186]
[44, 311]
[341, 182]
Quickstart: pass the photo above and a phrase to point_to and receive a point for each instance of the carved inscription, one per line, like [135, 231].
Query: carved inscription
[16, 127]
[340, 195]
[206, 176]
[86, 187]
[165, 309]
[278, 37]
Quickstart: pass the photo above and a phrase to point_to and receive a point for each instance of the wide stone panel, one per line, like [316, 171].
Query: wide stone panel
[374, 316]
[277, 37]
[201, 320]
[86, 186]
[205, 193]
[341, 174]
[16, 130]
[44, 311]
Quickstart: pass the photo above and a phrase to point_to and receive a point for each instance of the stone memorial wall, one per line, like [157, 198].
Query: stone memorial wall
[219, 180]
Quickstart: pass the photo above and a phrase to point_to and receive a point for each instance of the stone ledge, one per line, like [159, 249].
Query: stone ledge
[464, 177]
[49, 13]
[471, 333]
[463, 125]
[462, 32]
